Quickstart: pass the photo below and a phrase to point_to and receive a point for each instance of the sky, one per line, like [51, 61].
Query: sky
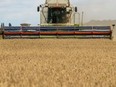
[25, 11]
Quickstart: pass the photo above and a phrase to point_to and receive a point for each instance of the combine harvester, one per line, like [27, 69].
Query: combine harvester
[57, 19]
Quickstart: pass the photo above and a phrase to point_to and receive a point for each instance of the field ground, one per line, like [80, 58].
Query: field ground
[58, 63]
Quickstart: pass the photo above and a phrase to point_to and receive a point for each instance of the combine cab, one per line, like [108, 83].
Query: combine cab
[57, 19]
[57, 12]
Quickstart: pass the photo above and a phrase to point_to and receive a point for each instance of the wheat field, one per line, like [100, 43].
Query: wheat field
[58, 63]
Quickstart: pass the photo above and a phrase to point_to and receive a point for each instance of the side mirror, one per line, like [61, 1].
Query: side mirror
[113, 25]
[75, 9]
[38, 9]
